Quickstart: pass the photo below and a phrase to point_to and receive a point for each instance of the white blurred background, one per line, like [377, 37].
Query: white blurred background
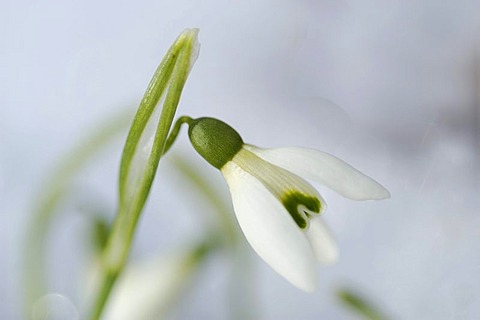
[392, 87]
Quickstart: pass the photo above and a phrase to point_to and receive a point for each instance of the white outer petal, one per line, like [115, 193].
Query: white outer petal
[324, 247]
[270, 229]
[326, 169]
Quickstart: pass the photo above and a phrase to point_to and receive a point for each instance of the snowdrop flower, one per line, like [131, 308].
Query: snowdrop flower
[277, 209]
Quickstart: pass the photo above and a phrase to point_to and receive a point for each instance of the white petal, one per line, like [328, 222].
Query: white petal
[326, 169]
[270, 230]
[324, 247]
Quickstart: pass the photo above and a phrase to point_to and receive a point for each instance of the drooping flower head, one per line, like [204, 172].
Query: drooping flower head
[277, 209]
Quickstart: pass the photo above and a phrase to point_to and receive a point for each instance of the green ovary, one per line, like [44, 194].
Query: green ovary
[293, 200]
[214, 140]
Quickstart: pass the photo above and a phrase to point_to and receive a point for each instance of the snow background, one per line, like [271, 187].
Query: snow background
[391, 87]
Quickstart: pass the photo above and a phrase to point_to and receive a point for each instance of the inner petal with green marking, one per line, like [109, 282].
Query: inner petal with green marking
[297, 196]
[301, 207]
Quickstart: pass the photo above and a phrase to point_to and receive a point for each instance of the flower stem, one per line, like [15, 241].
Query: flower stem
[174, 133]
[140, 159]
[108, 279]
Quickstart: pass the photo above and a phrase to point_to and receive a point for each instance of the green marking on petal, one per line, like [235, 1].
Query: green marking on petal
[293, 201]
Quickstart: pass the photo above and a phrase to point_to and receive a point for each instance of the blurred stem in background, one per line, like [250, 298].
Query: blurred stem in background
[359, 304]
[141, 156]
[222, 210]
[56, 189]
[240, 288]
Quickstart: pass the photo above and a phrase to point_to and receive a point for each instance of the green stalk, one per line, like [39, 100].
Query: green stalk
[136, 173]
[175, 131]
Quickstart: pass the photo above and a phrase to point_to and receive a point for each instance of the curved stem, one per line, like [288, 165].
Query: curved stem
[174, 133]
